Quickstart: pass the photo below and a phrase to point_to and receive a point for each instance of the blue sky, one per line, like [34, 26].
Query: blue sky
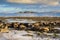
[11, 7]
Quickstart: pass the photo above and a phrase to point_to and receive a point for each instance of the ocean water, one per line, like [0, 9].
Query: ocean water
[41, 14]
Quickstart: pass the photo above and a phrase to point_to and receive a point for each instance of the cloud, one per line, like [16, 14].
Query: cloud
[46, 2]
[53, 3]
[49, 2]
[22, 1]
[9, 10]
[5, 8]
[3, 5]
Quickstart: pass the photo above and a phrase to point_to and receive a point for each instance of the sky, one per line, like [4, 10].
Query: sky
[43, 7]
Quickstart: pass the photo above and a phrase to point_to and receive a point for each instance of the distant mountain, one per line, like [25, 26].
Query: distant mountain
[28, 12]
[38, 12]
[32, 14]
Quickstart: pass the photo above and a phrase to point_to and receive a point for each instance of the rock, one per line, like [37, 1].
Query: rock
[22, 27]
[5, 29]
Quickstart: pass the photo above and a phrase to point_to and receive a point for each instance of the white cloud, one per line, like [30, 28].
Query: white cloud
[3, 5]
[7, 9]
[47, 2]
[10, 9]
[22, 1]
